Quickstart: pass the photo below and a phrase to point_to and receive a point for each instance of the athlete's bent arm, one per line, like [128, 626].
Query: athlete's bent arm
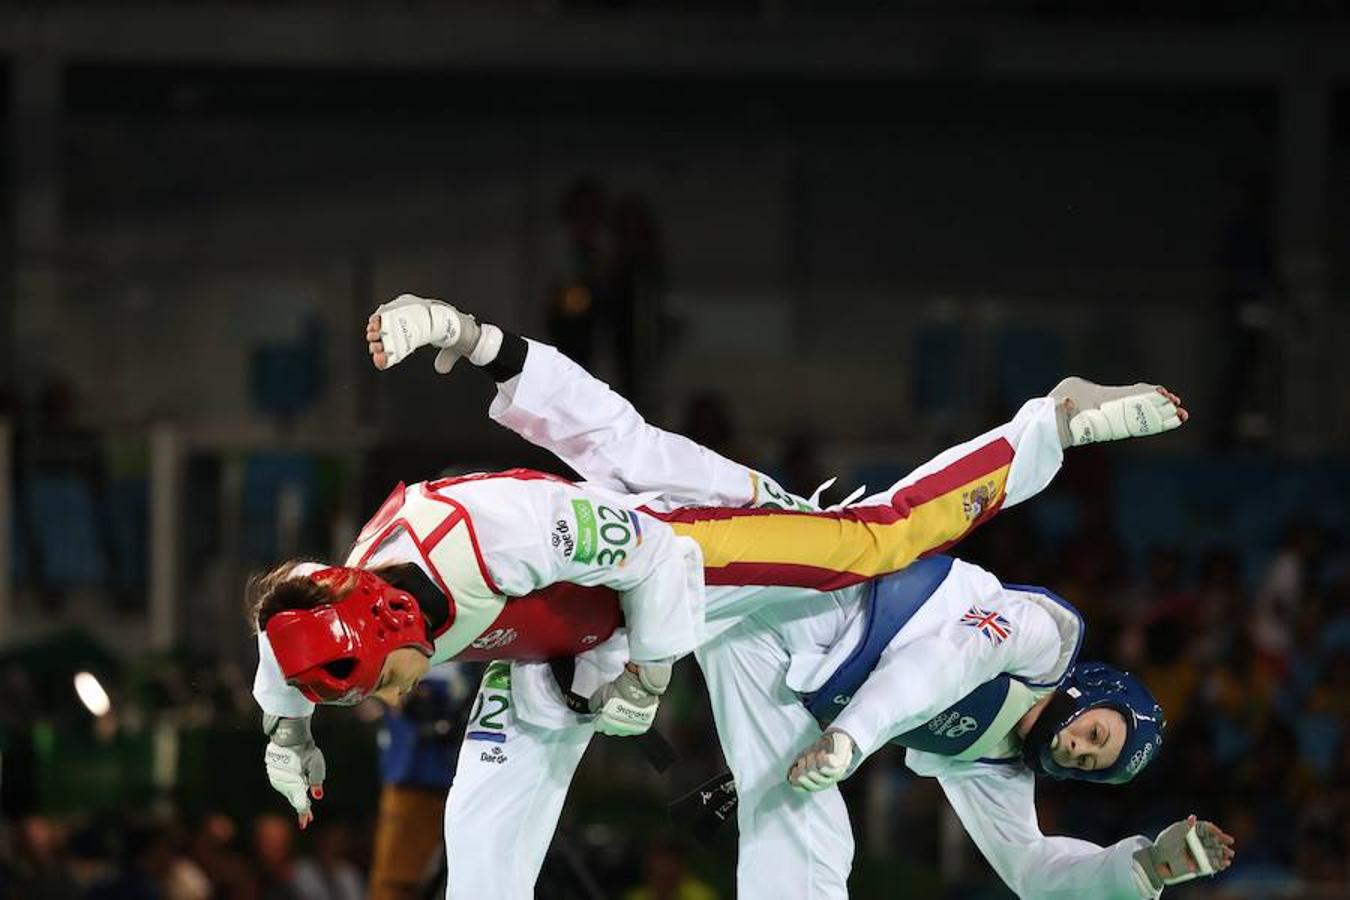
[274, 696]
[996, 804]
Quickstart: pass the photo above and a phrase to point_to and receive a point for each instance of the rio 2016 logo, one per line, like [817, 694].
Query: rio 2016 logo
[965, 726]
[1140, 759]
[952, 724]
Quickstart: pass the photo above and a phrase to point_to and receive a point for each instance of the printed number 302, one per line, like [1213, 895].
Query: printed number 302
[616, 530]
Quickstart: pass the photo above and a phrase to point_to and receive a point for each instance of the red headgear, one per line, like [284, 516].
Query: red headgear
[334, 652]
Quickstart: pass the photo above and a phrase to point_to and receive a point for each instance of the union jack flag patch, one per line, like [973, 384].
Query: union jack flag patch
[991, 624]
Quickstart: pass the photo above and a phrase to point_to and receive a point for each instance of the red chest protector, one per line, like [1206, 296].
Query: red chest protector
[559, 620]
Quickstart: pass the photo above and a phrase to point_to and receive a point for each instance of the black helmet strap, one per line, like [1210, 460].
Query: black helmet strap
[1047, 725]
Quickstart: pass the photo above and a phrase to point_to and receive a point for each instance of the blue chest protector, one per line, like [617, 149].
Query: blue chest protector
[890, 603]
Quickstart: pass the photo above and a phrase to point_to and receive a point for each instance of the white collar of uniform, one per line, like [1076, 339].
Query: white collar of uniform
[1069, 622]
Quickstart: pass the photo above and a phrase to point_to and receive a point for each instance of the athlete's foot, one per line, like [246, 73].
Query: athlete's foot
[1089, 413]
[374, 345]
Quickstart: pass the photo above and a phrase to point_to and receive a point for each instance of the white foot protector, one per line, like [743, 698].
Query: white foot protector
[1090, 413]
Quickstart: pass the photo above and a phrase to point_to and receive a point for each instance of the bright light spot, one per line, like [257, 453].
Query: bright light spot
[92, 694]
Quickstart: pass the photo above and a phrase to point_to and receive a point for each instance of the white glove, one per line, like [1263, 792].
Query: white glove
[1184, 850]
[626, 706]
[408, 322]
[1090, 413]
[823, 763]
[295, 765]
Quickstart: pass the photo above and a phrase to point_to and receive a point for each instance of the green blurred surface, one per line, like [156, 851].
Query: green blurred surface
[75, 771]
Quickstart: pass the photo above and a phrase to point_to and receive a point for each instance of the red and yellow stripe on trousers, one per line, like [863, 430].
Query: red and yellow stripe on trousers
[831, 550]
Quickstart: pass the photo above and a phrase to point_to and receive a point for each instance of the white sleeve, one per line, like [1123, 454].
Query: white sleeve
[274, 695]
[997, 806]
[912, 682]
[534, 533]
[556, 404]
[1034, 437]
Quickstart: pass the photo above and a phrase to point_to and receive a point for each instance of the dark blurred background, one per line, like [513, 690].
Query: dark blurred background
[823, 237]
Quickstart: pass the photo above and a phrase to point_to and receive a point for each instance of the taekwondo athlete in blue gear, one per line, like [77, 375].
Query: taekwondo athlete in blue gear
[931, 662]
[981, 719]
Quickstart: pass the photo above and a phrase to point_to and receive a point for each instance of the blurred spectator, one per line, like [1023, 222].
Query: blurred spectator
[707, 421]
[1249, 306]
[802, 471]
[1285, 584]
[329, 874]
[607, 276]
[1167, 596]
[1331, 696]
[582, 256]
[635, 299]
[1090, 575]
[273, 836]
[1241, 693]
[37, 869]
[1169, 666]
[152, 868]
[419, 747]
[213, 848]
[665, 877]
[1220, 604]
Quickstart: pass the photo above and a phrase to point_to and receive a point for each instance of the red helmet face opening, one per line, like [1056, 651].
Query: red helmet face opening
[334, 653]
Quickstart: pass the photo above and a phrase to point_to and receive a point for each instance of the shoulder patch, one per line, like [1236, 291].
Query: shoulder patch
[586, 531]
[992, 625]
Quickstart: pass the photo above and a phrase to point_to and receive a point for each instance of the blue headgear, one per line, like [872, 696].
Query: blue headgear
[1090, 685]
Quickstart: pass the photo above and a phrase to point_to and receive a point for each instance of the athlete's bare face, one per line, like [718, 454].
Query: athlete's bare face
[403, 668]
[1092, 741]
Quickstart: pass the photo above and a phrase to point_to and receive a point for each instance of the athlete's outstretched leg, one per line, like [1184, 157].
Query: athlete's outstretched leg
[927, 512]
[930, 509]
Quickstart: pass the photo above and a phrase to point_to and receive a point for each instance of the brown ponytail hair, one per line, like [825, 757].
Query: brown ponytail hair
[277, 590]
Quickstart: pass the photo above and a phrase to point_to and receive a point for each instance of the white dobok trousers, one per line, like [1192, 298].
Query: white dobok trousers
[507, 795]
